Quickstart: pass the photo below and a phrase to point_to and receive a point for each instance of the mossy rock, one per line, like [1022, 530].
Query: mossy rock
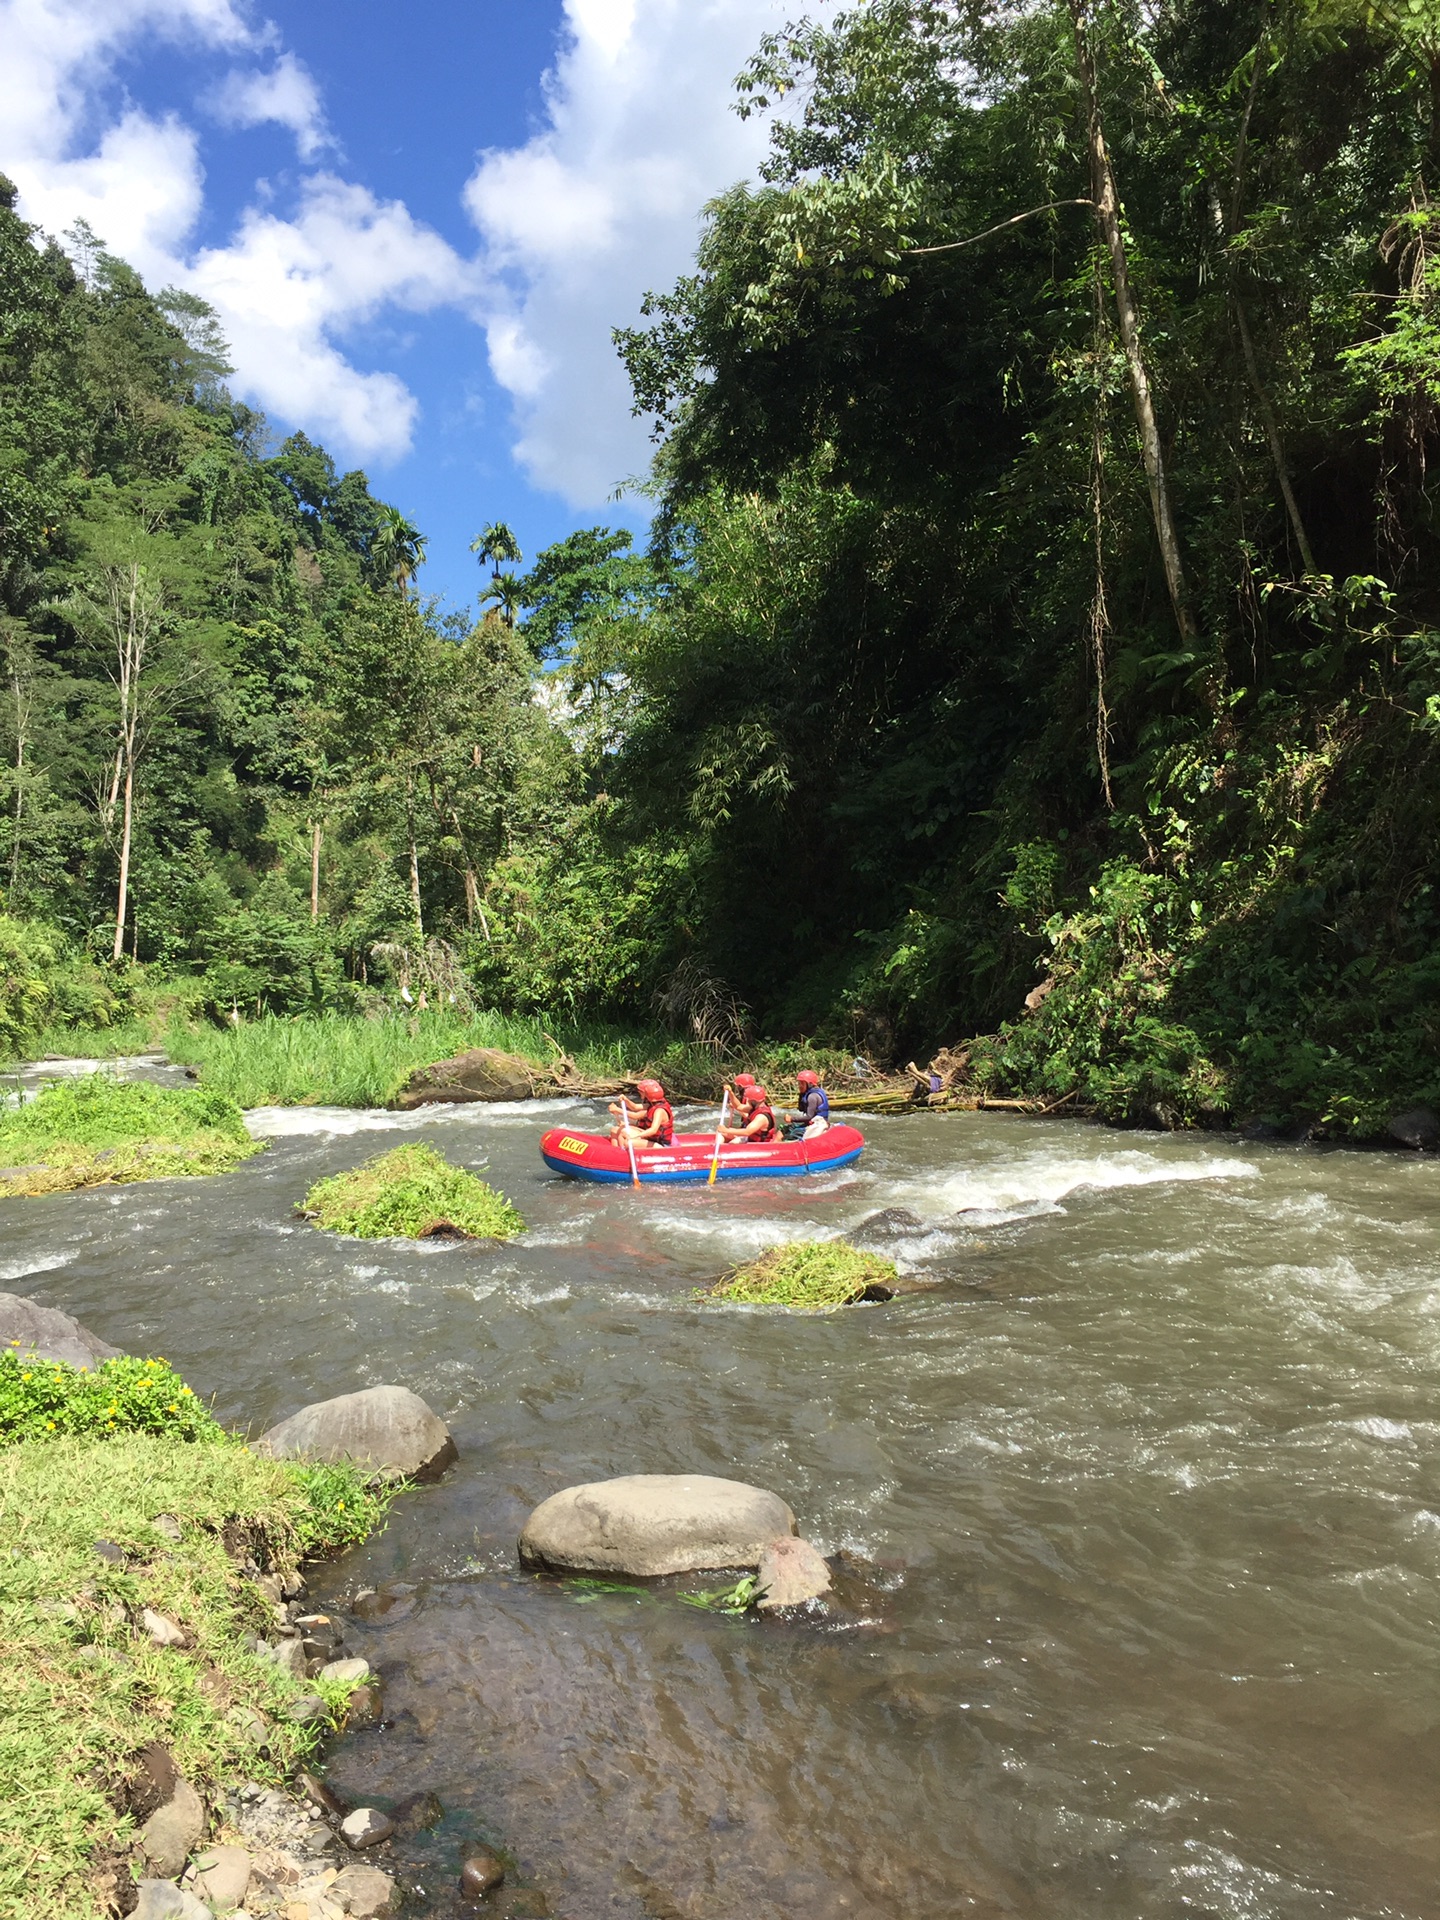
[810, 1275]
[411, 1193]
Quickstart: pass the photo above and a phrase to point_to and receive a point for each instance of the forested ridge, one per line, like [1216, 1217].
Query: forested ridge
[1041, 600]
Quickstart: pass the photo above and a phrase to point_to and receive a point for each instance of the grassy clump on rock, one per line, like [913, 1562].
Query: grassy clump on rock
[409, 1193]
[98, 1131]
[84, 1688]
[809, 1274]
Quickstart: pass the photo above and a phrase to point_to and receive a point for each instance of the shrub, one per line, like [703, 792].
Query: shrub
[408, 1193]
[40, 1398]
[809, 1274]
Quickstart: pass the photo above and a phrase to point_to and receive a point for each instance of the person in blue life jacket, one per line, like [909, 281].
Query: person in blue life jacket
[760, 1126]
[813, 1118]
[651, 1125]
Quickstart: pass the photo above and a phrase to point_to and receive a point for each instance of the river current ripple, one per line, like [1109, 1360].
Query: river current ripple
[1142, 1507]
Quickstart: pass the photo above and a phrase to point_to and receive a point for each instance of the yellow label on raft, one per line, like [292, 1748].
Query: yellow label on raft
[567, 1145]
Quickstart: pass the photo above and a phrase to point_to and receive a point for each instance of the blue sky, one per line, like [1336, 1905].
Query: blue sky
[418, 227]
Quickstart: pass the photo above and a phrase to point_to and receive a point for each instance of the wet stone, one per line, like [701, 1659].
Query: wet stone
[320, 1795]
[417, 1812]
[308, 1710]
[365, 1707]
[481, 1872]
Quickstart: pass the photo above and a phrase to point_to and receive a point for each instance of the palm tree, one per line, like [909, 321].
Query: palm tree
[505, 593]
[397, 549]
[497, 544]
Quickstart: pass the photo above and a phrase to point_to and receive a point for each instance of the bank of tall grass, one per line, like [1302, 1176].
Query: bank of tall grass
[344, 1060]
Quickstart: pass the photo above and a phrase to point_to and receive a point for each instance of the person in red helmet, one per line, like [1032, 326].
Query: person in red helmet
[760, 1124]
[813, 1118]
[651, 1123]
[736, 1091]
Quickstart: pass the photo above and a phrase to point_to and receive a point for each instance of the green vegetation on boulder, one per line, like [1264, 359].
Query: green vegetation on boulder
[809, 1274]
[96, 1130]
[410, 1193]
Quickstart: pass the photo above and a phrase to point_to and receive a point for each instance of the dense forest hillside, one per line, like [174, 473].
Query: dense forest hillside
[1040, 604]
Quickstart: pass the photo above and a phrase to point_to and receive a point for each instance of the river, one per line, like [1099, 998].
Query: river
[1140, 1513]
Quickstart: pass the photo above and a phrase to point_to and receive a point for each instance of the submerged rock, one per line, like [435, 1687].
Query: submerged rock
[790, 1572]
[1418, 1127]
[884, 1228]
[388, 1429]
[484, 1073]
[653, 1523]
[45, 1333]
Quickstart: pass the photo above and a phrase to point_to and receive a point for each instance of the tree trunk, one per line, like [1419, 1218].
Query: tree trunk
[1107, 219]
[20, 681]
[315, 870]
[414, 856]
[124, 889]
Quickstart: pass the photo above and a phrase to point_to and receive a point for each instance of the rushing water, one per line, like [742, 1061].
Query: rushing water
[1140, 1510]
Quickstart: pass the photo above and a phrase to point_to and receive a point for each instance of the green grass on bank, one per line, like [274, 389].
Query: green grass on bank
[809, 1274]
[346, 1060]
[97, 1130]
[83, 1689]
[409, 1193]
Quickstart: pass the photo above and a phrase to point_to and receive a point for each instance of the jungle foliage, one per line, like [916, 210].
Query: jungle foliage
[1042, 605]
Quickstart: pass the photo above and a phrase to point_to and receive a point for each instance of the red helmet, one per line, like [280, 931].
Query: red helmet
[744, 1079]
[807, 1077]
[650, 1089]
[756, 1096]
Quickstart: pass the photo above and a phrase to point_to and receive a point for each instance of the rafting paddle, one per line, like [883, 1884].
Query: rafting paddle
[625, 1123]
[715, 1163]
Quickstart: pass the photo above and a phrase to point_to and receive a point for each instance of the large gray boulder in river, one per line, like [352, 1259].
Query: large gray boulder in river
[45, 1333]
[387, 1429]
[653, 1523]
[485, 1073]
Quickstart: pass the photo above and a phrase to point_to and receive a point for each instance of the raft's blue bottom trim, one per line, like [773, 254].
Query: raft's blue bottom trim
[700, 1174]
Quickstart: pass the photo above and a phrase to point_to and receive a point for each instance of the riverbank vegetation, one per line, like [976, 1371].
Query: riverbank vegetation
[135, 1499]
[95, 1130]
[411, 1193]
[1038, 639]
[806, 1274]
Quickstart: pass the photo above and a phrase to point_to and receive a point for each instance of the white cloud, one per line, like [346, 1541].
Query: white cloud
[286, 289]
[283, 287]
[286, 95]
[603, 204]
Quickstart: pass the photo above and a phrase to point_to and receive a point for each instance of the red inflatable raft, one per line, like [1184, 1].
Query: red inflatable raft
[594, 1156]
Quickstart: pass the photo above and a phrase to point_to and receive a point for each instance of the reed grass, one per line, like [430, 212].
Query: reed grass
[345, 1060]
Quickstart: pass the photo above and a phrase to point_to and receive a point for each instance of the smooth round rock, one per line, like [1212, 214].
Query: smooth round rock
[308, 1709]
[653, 1523]
[481, 1874]
[389, 1430]
[365, 1707]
